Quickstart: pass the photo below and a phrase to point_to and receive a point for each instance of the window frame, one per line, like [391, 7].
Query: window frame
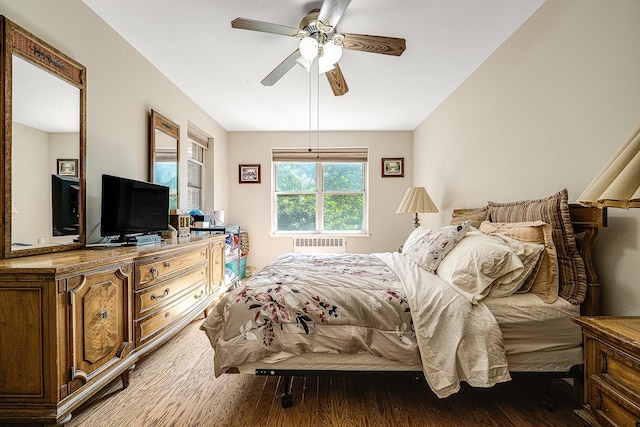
[200, 165]
[199, 140]
[320, 192]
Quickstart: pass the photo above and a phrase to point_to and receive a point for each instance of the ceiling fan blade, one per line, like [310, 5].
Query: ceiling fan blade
[265, 27]
[375, 44]
[337, 82]
[332, 10]
[281, 69]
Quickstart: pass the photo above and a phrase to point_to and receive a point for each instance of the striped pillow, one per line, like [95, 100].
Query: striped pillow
[555, 211]
[474, 216]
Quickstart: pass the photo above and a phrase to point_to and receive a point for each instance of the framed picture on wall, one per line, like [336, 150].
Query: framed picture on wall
[68, 167]
[393, 167]
[249, 174]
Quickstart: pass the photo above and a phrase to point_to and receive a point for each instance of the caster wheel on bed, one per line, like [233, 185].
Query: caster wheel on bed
[287, 400]
[547, 403]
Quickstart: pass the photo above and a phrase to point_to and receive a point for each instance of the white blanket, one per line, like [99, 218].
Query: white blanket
[458, 341]
[381, 304]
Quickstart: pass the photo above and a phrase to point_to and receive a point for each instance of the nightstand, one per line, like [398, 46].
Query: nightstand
[611, 370]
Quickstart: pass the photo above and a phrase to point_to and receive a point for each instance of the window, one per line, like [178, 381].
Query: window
[323, 193]
[198, 144]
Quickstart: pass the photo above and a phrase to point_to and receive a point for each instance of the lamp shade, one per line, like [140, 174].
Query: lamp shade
[416, 200]
[618, 183]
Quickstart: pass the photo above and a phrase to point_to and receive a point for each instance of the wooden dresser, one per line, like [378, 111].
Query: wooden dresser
[612, 371]
[71, 322]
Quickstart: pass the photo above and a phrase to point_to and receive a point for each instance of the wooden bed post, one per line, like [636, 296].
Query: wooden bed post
[588, 220]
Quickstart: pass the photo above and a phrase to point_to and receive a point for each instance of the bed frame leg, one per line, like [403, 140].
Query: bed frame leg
[546, 401]
[287, 399]
[576, 372]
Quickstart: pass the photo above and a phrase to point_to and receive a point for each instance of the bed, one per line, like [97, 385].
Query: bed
[424, 311]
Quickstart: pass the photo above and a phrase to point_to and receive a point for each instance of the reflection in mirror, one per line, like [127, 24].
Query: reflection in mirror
[164, 155]
[43, 137]
[45, 128]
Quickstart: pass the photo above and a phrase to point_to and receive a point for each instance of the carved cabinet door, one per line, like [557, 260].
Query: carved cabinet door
[217, 265]
[101, 310]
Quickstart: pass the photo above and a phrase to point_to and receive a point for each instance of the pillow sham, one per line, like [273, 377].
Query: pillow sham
[481, 263]
[544, 282]
[474, 216]
[572, 275]
[428, 246]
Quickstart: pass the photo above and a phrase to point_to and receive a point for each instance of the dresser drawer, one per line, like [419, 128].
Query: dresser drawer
[619, 369]
[610, 407]
[614, 384]
[151, 297]
[152, 271]
[153, 324]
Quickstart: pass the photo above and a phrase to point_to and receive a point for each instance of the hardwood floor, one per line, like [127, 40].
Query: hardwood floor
[175, 386]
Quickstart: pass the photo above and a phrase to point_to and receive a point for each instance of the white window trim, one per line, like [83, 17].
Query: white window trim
[298, 155]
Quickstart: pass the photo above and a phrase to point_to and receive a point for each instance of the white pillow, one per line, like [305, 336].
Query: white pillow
[544, 282]
[428, 246]
[530, 255]
[481, 262]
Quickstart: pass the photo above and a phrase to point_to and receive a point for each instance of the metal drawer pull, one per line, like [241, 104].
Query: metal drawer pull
[167, 264]
[104, 314]
[164, 294]
[154, 273]
[200, 295]
[167, 314]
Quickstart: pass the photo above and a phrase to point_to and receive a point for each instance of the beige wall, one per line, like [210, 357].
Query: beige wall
[122, 86]
[546, 111]
[32, 148]
[251, 203]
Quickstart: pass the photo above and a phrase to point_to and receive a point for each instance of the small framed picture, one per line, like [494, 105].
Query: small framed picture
[249, 174]
[393, 167]
[68, 167]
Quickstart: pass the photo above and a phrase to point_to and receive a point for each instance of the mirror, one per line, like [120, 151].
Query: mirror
[43, 138]
[164, 153]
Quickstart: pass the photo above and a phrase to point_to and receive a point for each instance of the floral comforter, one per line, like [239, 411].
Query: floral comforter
[382, 304]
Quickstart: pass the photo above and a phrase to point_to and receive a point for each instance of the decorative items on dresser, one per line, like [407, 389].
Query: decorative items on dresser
[236, 251]
[73, 321]
[612, 371]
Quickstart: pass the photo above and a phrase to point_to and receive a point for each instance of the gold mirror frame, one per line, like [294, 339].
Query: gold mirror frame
[163, 134]
[17, 41]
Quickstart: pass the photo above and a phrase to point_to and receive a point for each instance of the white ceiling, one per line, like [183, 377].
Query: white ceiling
[220, 68]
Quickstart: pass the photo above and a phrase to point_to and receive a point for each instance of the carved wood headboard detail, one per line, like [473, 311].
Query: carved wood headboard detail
[586, 221]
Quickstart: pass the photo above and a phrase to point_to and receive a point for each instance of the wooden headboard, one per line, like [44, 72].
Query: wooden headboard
[587, 220]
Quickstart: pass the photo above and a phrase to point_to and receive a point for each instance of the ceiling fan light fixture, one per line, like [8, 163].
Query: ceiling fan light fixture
[324, 65]
[309, 48]
[331, 52]
[304, 62]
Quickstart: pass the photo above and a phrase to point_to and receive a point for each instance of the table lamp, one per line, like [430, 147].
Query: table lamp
[415, 201]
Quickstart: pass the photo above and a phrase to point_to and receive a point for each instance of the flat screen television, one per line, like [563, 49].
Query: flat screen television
[65, 191]
[131, 207]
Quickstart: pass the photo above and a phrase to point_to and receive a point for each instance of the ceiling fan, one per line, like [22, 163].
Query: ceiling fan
[319, 39]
